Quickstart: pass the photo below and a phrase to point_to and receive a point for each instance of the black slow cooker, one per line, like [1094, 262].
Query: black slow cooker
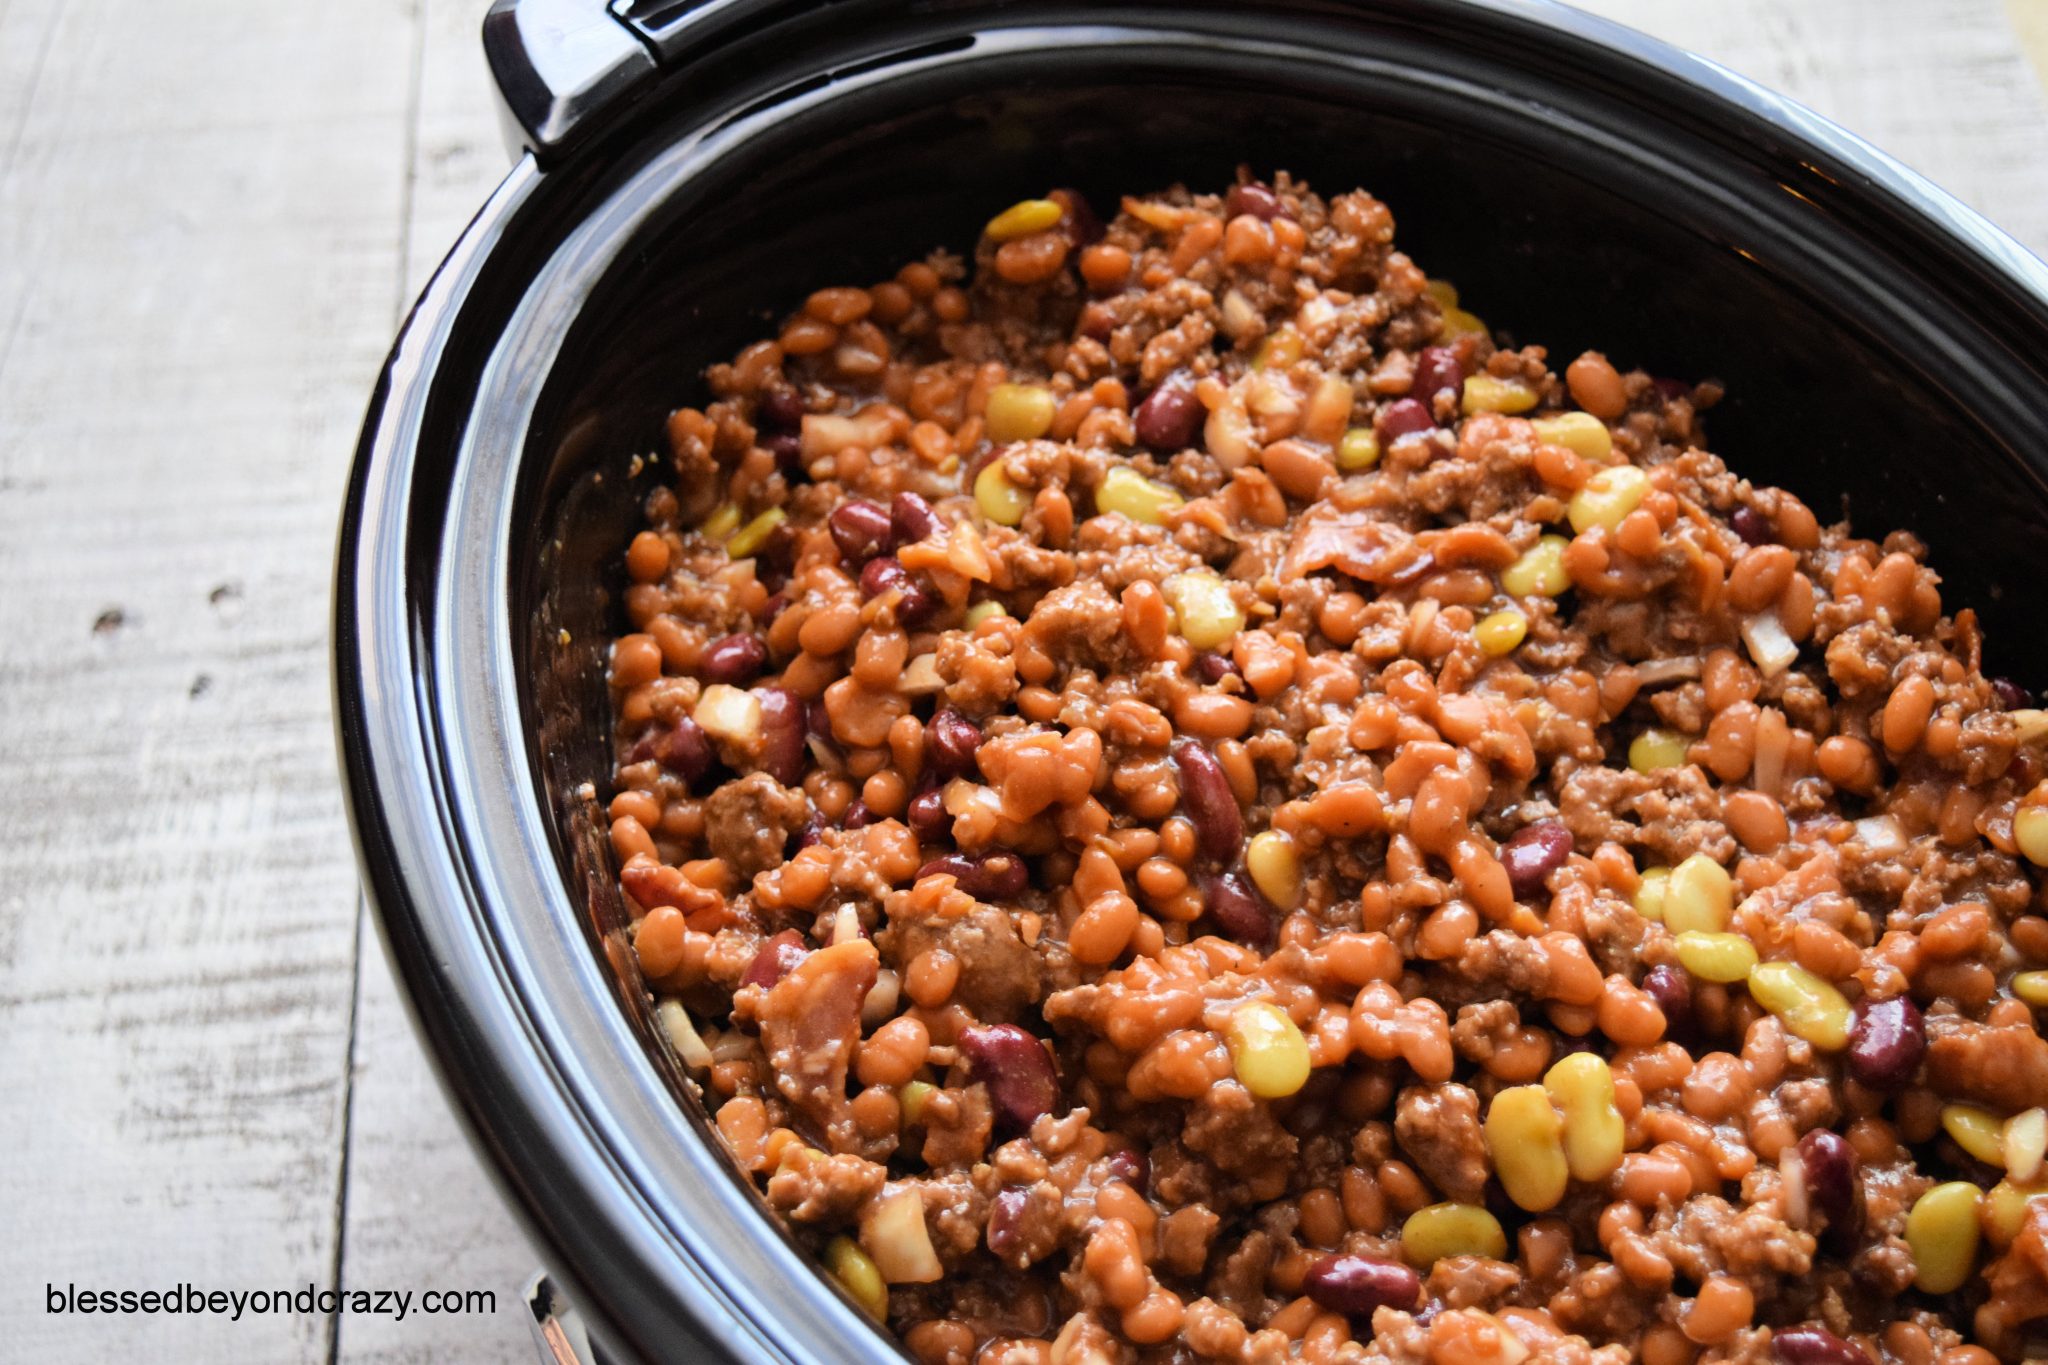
[689, 169]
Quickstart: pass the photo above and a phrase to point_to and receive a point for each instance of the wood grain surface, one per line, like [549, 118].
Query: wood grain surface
[212, 214]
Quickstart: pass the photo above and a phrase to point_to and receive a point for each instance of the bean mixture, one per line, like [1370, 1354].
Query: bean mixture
[1184, 802]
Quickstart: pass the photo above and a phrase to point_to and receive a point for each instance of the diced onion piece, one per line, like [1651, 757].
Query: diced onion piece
[1771, 648]
[921, 675]
[845, 924]
[729, 713]
[2029, 724]
[2026, 1143]
[683, 1035]
[1657, 672]
[1881, 834]
[892, 1231]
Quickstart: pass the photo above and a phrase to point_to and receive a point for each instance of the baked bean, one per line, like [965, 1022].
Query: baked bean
[1596, 386]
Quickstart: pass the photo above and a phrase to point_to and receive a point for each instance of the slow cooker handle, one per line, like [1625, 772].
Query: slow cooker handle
[560, 64]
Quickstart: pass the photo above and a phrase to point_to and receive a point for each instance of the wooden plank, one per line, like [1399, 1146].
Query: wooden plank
[197, 221]
[1941, 84]
[420, 1208]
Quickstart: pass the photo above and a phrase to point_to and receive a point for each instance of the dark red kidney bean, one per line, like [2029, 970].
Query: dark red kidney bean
[1811, 1345]
[1170, 415]
[812, 831]
[1237, 909]
[912, 519]
[777, 958]
[1079, 222]
[1828, 1164]
[780, 410]
[997, 876]
[1437, 369]
[1358, 1286]
[1213, 668]
[914, 603]
[1017, 1070]
[782, 734]
[857, 815]
[1887, 1038]
[950, 742]
[1255, 198]
[1006, 1219]
[817, 720]
[1206, 796]
[736, 659]
[680, 748]
[1407, 417]
[2011, 696]
[1751, 525]
[860, 529]
[1131, 1166]
[788, 451]
[1672, 990]
[927, 818]
[772, 608]
[1532, 853]
[1669, 389]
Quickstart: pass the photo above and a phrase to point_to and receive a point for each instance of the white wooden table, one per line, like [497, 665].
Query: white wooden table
[212, 214]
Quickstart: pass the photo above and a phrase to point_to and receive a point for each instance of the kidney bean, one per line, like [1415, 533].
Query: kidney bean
[1751, 525]
[928, 819]
[1236, 909]
[780, 410]
[813, 830]
[2011, 696]
[1254, 198]
[680, 748]
[914, 603]
[1811, 1345]
[857, 815]
[1080, 223]
[1670, 389]
[1017, 1070]
[860, 530]
[788, 450]
[1206, 796]
[912, 519]
[1170, 415]
[782, 734]
[1404, 418]
[1532, 853]
[1213, 668]
[1131, 1166]
[1437, 369]
[1359, 1285]
[1828, 1164]
[1672, 990]
[772, 608]
[986, 876]
[1005, 1220]
[736, 659]
[776, 959]
[950, 742]
[1887, 1038]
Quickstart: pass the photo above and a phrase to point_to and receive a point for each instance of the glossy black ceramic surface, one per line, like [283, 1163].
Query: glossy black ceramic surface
[1883, 348]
